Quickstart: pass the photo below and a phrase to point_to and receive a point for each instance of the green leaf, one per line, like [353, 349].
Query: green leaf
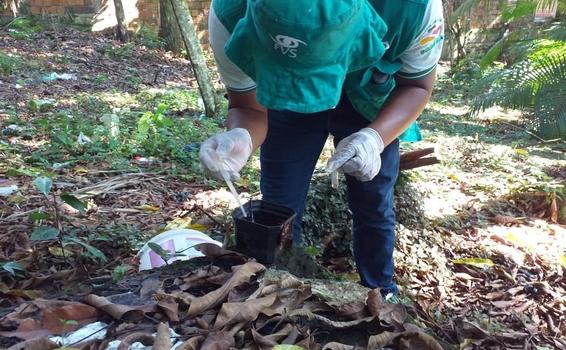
[74, 202]
[44, 184]
[38, 216]
[120, 272]
[562, 260]
[157, 249]
[94, 252]
[12, 267]
[477, 262]
[287, 347]
[44, 233]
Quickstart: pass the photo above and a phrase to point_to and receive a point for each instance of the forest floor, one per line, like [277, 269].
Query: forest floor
[99, 152]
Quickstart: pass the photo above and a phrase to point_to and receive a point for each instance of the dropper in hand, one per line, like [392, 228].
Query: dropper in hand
[233, 191]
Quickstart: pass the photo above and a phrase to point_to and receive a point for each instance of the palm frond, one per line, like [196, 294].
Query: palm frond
[538, 87]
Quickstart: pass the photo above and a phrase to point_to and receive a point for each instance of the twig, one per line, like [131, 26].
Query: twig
[209, 216]
[83, 61]
[17, 215]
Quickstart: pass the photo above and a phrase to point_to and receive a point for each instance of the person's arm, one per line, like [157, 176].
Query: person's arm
[245, 112]
[404, 106]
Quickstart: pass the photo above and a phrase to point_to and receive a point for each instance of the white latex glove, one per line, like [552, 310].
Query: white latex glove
[227, 151]
[358, 155]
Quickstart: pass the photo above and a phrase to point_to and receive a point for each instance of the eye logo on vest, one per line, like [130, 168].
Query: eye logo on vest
[287, 45]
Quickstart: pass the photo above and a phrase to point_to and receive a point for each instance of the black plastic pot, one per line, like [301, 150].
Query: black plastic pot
[270, 230]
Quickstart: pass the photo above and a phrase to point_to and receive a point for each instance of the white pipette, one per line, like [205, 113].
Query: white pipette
[233, 190]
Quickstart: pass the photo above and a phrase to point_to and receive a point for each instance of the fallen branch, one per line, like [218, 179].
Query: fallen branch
[413, 155]
[419, 163]
[417, 159]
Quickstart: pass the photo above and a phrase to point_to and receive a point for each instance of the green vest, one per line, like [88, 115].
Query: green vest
[403, 19]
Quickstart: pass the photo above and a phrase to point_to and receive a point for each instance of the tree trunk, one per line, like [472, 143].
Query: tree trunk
[185, 22]
[121, 28]
[169, 29]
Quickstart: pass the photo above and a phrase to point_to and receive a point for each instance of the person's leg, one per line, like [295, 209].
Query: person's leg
[371, 204]
[288, 157]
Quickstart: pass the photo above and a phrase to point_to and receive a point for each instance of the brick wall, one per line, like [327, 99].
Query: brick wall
[138, 12]
[60, 7]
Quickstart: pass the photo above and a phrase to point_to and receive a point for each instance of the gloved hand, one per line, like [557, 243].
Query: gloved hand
[358, 155]
[227, 151]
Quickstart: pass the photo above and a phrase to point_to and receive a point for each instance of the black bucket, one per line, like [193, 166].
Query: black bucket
[270, 230]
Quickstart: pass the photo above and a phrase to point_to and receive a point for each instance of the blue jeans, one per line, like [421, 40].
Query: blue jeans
[288, 158]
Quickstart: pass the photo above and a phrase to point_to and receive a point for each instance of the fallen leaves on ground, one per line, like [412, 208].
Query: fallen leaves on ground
[264, 313]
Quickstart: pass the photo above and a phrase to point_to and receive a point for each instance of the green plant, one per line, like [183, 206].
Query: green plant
[120, 272]
[327, 217]
[24, 28]
[101, 78]
[149, 38]
[9, 63]
[124, 51]
[537, 87]
[57, 231]
[153, 129]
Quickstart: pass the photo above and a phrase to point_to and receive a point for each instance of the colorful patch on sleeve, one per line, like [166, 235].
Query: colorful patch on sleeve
[433, 36]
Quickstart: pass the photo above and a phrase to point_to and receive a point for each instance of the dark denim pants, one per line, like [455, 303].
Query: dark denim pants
[288, 157]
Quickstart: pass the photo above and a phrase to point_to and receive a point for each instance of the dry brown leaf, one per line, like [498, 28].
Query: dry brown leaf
[337, 346]
[162, 338]
[281, 334]
[323, 322]
[213, 251]
[469, 330]
[197, 279]
[506, 220]
[374, 301]
[352, 311]
[417, 341]
[35, 344]
[494, 295]
[170, 307]
[192, 344]
[392, 316]
[262, 341]
[218, 341]
[242, 312]
[144, 338]
[554, 210]
[41, 317]
[382, 340]
[503, 304]
[291, 338]
[242, 275]
[117, 311]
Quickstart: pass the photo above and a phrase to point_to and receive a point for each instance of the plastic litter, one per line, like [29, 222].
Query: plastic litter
[97, 331]
[177, 241]
[56, 76]
[12, 130]
[91, 331]
[83, 139]
[8, 190]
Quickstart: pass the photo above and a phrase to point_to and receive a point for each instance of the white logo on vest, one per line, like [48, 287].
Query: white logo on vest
[287, 45]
